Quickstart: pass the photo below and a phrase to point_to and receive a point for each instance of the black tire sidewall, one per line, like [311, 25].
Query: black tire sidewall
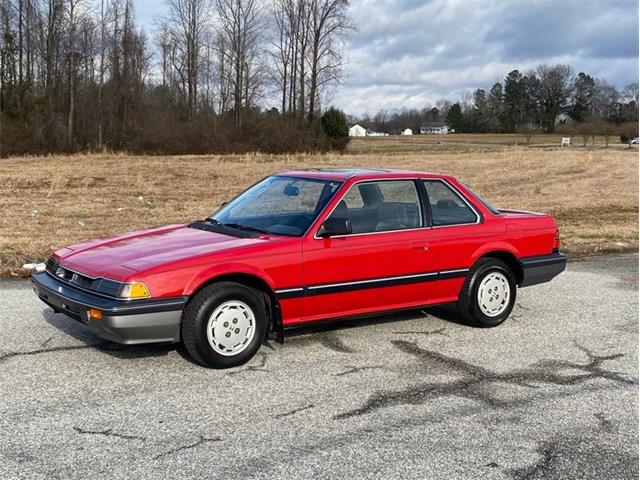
[206, 353]
[478, 274]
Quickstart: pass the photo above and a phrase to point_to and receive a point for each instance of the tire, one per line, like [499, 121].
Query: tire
[488, 293]
[224, 325]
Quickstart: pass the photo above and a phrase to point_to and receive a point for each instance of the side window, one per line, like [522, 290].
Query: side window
[447, 208]
[381, 206]
[353, 198]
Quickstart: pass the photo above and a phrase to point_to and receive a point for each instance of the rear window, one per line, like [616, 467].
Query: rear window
[488, 206]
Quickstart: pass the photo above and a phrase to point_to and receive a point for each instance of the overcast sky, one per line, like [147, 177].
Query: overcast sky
[410, 53]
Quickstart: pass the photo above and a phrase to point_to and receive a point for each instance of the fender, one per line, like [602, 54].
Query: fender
[210, 274]
[495, 247]
[219, 270]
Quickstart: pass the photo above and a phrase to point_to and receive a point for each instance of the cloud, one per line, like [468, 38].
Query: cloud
[407, 53]
[410, 53]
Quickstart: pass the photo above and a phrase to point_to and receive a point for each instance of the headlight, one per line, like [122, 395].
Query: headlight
[134, 290]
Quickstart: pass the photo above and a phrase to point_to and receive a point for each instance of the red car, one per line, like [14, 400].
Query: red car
[299, 247]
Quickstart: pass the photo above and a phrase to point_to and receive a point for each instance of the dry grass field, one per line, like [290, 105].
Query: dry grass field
[48, 202]
[471, 143]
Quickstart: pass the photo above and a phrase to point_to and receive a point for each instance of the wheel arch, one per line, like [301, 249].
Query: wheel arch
[258, 283]
[509, 259]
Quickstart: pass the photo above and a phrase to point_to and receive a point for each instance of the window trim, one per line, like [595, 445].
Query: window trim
[421, 207]
[479, 217]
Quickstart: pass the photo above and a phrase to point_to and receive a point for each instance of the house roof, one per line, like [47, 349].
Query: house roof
[433, 125]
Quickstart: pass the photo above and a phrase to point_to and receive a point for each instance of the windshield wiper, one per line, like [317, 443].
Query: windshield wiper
[244, 227]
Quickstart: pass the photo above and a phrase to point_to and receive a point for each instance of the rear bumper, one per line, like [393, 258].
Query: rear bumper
[542, 268]
[123, 321]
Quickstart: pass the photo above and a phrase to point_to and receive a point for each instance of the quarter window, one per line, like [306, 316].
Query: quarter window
[447, 207]
[380, 206]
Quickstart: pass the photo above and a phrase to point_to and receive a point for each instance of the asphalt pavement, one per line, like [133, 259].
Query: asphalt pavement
[552, 393]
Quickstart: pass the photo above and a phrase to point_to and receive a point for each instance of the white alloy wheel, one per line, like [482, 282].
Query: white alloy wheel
[494, 294]
[231, 328]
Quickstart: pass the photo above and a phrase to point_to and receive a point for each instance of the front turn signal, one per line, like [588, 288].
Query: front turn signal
[134, 290]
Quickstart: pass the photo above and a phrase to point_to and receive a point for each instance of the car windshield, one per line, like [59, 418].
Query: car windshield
[280, 205]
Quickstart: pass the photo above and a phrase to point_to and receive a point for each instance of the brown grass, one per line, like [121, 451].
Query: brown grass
[49, 202]
[472, 143]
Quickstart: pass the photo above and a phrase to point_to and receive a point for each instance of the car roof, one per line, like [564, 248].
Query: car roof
[344, 174]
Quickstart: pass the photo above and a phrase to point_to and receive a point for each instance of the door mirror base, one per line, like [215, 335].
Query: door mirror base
[333, 227]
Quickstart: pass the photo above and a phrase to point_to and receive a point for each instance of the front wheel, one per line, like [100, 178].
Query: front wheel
[224, 325]
[488, 293]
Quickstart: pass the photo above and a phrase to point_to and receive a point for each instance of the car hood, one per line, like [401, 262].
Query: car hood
[123, 255]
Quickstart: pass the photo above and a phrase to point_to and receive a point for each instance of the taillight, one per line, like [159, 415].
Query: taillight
[556, 241]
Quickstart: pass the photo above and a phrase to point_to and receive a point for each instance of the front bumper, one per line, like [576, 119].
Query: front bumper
[542, 268]
[123, 321]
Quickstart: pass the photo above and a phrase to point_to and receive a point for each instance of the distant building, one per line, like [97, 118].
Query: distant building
[407, 131]
[564, 119]
[371, 133]
[357, 131]
[434, 128]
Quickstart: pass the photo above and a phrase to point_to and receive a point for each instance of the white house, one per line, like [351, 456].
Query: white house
[371, 133]
[434, 128]
[407, 131]
[357, 131]
[563, 119]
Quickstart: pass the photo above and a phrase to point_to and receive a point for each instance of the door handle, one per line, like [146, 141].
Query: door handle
[420, 246]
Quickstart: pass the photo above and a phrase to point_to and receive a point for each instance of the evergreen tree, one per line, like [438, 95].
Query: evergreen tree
[583, 90]
[334, 124]
[454, 117]
[496, 108]
[514, 92]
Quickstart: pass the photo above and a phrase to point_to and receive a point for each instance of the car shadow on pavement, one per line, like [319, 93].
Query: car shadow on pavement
[447, 313]
[74, 329]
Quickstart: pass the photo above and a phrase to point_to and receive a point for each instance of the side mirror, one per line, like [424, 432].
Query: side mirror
[335, 226]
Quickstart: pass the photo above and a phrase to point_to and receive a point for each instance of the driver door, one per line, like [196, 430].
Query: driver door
[387, 262]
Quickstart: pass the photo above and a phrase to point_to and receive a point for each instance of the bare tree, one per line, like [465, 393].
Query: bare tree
[241, 25]
[555, 88]
[103, 47]
[71, 59]
[187, 22]
[328, 22]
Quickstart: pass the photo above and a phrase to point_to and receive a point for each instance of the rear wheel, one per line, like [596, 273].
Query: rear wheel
[488, 293]
[224, 325]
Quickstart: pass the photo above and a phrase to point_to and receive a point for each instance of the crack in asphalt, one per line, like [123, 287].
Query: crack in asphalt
[109, 433]
[604, 424]
[202, 441]
[358, 369]
[439, 331]
[293, 412]
[330, 340]
[565, 456]
[252, 368]
[474, 379]
[548, 455]
[6, 356]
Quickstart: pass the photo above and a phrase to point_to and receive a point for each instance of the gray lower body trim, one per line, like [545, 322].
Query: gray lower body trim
[541, 269]
[150, 321]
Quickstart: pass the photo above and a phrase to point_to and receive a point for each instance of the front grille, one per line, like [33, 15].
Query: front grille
[77, 278]
[103, 286]
[52, 265]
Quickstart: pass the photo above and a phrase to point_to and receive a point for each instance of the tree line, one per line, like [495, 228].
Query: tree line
[526, 102]
[84, 75]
